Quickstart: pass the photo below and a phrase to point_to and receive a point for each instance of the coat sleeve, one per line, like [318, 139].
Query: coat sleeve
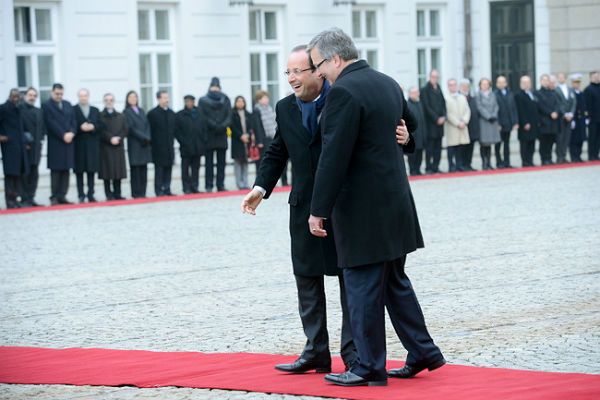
[124, 127]
[340, 132]
[105, 133]
[426, 102]
[574, 105]
[135, 130]
[451, 114]
[544, 107]
[259, 130]
[512, 107]
[53, 128]
[483, 111]
[272, 162]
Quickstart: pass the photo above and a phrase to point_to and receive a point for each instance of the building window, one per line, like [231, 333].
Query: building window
[35, 47]
[366, 31]
[429, 43]
[155, 54]
[265, 53]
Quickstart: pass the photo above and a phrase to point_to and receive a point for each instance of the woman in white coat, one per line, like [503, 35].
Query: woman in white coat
[456, 128]
[488, 121]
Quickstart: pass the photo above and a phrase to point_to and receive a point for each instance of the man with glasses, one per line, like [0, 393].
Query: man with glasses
[362, 191]
[298, 139]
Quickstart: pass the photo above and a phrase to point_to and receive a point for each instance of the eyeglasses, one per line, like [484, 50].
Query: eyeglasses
[296, 71]
[317, 66]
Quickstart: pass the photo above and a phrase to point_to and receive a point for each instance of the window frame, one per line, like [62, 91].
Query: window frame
[429, 43]
[366, 44]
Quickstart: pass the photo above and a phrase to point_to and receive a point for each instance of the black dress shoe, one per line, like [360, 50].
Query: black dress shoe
[82, 199]
[408, 371]
[92, 199]
[301, 366]
[64, 201]
[349, 378]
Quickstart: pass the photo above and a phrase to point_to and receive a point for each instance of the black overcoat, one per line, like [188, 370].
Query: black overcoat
[579, 134]
[434, 106]
[238, 148]
[33, 122]
[14, 152]
[527, 110]
[507, 110]
[87, 144]
[138, 137]
[215, 111]
[416, 108]
[548, 102]
[112, 157]
[474, 127]
[361, 181]
[61, 155]
[162, 129]
[190, 132]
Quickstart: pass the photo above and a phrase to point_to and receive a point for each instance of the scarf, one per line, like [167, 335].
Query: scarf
[311, 111]
[85, 109]
[242, 114]
[267, 116]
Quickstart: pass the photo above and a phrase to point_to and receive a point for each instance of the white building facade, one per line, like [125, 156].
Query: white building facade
[178, 45]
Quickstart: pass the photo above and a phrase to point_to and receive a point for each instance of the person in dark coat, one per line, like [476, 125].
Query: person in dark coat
[14, 152]
[529, 120]
[473, 126]
[139, 147]
[580, 120]
[33, 122]
[87, 144]
[362, 187]
[550, 115]
[508, 120]
[592, 102]
[434, 105]
[414, 105]
[113, 168]
[568, 104]
[215, 111]
[59, 118]
[162, 127]
[298, 138]
[190, 132]
[242, 135]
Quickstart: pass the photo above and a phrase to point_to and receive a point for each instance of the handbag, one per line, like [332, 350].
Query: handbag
[253, 152]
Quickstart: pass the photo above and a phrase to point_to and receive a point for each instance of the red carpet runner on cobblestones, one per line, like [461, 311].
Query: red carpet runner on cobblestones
[255, 373]
[284, 189]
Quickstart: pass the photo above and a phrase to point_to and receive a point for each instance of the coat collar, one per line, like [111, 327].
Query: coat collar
[355, 66]
[296, 117]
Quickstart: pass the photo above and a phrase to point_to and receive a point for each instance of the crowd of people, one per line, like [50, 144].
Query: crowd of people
[91, 142]
[557, 115]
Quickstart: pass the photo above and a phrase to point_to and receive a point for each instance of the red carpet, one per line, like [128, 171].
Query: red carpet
[283, 189]
[255, 373]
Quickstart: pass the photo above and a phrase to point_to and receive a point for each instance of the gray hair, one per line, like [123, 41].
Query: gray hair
[333, 42]
[300, 47]
[464, 81]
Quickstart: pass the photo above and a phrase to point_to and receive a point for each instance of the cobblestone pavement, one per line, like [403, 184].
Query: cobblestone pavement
[508, 278]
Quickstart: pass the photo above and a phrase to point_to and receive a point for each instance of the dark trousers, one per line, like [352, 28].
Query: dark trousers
[12, 189]
[139, 181]
[59, 185]
[546, 143]
[486, 156]
[503, 158]
[114, 192]
[370, 289]
[433, 154]
[30, 184]
[190, 174]
[468, 153]
[454, 158]
[527, 151]
[563, 139]
[312, 306]
[593, 140]
[90, 184]
[414, 161]
[162, 180]
[210, 169]
[575, 151]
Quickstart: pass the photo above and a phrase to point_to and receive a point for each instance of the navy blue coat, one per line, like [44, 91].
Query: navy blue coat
[61, 155]
[578, 134]
[87, 144]
[14, 152]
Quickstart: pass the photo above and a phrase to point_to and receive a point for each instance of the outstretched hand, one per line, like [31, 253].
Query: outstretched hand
[251, 202]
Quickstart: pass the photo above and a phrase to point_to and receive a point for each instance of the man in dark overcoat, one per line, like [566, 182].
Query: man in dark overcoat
[162, 129]
[529, 120]
[14, 153]
[87, 145]
[507, 119]
[59, 118]
[362, 187]
[434, 106]
[580, 120]
[190, 132]
[113, 168]
[550, 115]
[33, 122]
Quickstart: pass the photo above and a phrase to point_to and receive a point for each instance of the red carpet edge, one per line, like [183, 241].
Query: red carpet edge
[233, 193]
